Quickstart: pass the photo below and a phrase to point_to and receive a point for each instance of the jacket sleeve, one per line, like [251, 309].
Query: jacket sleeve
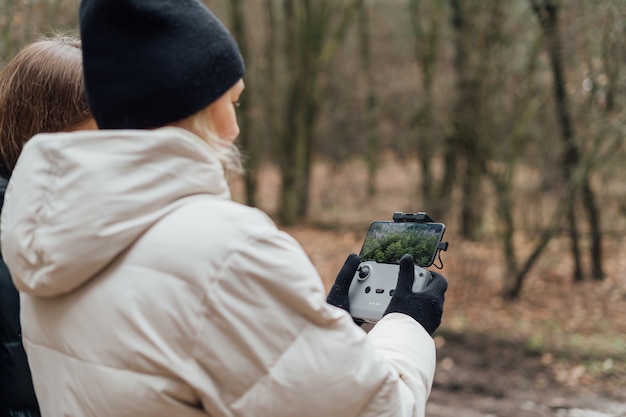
[270, 345]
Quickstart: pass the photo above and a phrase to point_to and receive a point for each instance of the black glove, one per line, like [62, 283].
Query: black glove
[426, 307]
[338, 295]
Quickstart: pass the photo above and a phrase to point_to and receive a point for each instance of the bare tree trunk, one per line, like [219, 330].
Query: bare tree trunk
[470, 152]
[250, 151]
[8, 47]
[544, 239]
[289, 136]
[370, 111]
[269, 89]
[426, 41]
[547, 14]
[505, 213]
[463, 134]
[611, 70]
[309, 48]
[593, 215]
[527, 107]
[452, 140]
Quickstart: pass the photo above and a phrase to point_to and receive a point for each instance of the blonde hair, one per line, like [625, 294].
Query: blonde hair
[41, 90]
[227, 152]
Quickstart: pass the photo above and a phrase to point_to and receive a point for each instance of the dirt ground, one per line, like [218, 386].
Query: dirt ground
[481, 377]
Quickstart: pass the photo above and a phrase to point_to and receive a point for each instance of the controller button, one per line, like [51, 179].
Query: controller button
[364, 272]
[367, 290]
[379, 291]
[391, 292]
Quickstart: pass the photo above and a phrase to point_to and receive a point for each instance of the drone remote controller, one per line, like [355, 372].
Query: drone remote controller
[373, 285]
[385, 243]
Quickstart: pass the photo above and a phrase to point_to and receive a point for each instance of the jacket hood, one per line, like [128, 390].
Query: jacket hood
[77, 200]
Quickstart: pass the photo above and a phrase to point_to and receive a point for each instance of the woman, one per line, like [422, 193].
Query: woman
[146, 290]
[41, 90]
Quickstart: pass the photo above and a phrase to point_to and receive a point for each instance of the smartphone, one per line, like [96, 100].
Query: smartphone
[387, 241]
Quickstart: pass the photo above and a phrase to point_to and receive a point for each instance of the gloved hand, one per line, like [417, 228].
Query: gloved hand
[338, 295]
[425, 307]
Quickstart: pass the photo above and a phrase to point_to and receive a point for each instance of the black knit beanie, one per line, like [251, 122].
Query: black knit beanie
[151, 62]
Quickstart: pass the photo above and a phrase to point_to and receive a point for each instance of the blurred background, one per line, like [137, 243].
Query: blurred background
[503, 119]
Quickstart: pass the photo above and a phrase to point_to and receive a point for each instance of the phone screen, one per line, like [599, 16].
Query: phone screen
[386, 242]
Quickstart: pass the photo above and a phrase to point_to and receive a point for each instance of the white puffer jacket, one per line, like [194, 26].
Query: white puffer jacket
[146, 291]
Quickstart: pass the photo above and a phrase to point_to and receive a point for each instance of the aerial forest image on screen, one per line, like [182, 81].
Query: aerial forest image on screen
[386, 242]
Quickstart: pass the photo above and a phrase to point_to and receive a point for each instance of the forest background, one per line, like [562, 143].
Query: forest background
[503, 119]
